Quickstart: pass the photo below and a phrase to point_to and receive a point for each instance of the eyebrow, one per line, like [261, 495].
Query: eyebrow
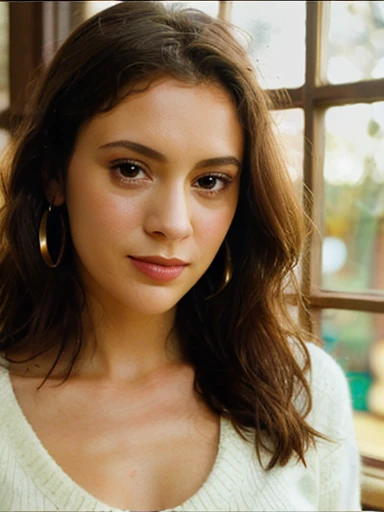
[160, 157]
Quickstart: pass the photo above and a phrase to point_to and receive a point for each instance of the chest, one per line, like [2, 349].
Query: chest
[136, 449]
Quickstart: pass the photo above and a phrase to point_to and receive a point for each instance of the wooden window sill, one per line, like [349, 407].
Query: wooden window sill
[370, 438]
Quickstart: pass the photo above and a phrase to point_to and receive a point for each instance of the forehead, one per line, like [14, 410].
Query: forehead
[171, 113]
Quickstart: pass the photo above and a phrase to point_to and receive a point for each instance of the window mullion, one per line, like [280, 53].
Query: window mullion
[313, 193]
[225, 10]
[351, 301]
[287, 98]
[366, 91]
[26, 49]
[4, 119]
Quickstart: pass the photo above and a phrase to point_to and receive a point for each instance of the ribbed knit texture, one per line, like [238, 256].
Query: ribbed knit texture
[30, 479]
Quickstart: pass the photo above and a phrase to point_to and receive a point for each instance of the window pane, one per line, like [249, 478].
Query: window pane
[92, 8]
[278, 40]
[4, 72]
[354, 339]
[355, 41]
[289, 128]
[211, 8]
[4, 139]
[353, 226]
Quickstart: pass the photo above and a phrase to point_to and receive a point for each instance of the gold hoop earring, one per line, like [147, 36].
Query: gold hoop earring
[228, 271]
[49, 217]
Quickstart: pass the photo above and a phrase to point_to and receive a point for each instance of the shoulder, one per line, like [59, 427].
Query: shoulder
[6, 411]
[332, 416]
[331, 412]
[5, 392]
[326, 376]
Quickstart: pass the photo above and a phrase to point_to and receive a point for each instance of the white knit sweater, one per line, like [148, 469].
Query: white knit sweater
[30, 479]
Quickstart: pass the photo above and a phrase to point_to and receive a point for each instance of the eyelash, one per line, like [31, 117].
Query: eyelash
[116, 169]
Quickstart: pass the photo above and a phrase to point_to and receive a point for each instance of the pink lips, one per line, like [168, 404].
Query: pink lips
[159, 268]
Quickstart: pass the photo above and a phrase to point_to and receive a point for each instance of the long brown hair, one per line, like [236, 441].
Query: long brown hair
[242, 341]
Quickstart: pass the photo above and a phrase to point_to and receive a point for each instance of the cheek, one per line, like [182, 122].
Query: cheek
[111, 220]
[213, 230]
[114, 214]
[217, 223]
[98, 215]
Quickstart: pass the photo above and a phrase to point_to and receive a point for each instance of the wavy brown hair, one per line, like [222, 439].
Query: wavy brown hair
[241, 341]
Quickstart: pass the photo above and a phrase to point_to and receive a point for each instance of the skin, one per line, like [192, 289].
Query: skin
[159, 203]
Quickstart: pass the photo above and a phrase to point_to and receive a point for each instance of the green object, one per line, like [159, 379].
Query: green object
[359, 384]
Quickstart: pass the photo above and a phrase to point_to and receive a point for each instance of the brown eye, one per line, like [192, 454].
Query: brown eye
[207, 182]
[213, 183]
[128, 169]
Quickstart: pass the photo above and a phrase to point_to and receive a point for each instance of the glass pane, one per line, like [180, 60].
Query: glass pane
[355, 41]
[356, 340]
[4, 139]
[289, 128]
[353, 244]
[294, 313]
[211, 8]
[4, 71]
[92, 8]
[278, 40]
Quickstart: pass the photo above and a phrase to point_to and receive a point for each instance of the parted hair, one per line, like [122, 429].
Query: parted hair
[242, 341]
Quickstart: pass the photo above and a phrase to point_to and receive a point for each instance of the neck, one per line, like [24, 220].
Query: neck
[125, 345]
[117, 345]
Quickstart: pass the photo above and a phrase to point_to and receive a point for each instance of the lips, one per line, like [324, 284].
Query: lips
[160, 260]
[159, 268]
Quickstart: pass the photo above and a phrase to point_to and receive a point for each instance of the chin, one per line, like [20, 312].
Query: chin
[153, 302]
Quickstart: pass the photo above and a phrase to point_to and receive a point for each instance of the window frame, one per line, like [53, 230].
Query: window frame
[314, 97]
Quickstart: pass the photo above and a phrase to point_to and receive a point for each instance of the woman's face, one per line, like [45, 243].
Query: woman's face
[151, 191]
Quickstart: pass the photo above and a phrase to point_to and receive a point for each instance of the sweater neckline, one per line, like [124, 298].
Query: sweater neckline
[59, 488]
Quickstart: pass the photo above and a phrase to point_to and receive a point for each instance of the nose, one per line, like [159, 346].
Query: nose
[168, 214]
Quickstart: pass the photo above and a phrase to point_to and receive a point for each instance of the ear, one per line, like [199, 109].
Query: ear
[54, 190]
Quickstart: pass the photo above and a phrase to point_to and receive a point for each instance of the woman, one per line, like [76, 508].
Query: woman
[148, 233]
